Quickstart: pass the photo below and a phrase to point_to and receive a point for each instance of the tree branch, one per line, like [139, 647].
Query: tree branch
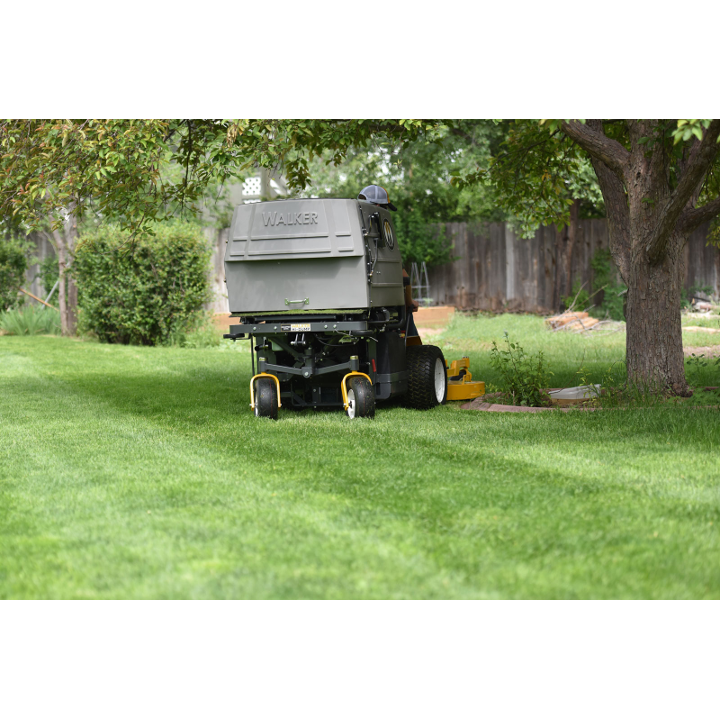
[618, 215]
[694, 217]
[593, 140]
[699, 162]
[462, 134]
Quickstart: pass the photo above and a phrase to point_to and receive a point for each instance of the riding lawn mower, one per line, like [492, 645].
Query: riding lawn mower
[317, 287]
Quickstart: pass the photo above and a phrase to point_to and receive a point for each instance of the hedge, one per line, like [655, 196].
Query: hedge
[144, 290]
[13, 264]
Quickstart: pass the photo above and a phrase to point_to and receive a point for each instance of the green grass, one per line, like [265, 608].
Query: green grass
[711, 321]
[130, 472]
[566, 353]
[572, 357]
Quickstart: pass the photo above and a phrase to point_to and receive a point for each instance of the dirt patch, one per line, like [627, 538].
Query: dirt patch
[425, 332]
[486, 404]
[708, 352]
[434, 317]
[223, 321]
[493, 407]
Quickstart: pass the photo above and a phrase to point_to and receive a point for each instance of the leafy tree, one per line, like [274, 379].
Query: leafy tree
[417, 176]
[660, 179]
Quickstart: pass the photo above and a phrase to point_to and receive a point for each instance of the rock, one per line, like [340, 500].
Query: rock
[701, 306]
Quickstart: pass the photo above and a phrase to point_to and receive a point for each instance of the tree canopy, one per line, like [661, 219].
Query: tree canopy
[116, 166]
[543, 165]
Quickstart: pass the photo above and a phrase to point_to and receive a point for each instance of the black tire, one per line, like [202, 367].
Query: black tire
[427, 377]
[266, 399]
[361, 398]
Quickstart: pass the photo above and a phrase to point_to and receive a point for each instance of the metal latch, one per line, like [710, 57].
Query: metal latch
[306, 301]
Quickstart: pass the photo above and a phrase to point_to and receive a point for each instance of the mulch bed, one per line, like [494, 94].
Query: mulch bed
[480, 404]
[484, 402]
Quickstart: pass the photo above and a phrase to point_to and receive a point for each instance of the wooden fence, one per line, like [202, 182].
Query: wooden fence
[497, 270]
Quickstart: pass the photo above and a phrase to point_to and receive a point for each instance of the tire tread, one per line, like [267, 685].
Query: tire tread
[421, 376]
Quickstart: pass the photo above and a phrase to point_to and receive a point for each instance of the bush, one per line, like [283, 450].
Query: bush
[142, 291]
[522, 377]
[13, 264]
[31, 320]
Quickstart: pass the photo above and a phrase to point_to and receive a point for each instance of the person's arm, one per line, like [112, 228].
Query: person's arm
[410, 304]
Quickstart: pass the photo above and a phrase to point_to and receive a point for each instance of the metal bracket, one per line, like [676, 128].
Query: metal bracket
[306, 301]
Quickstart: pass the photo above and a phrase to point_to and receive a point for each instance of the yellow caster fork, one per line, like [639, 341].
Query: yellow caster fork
[359, 401]
[252, 388]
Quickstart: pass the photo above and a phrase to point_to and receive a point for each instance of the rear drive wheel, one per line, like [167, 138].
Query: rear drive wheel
[427, 377]
[361, 398]
[266, 399]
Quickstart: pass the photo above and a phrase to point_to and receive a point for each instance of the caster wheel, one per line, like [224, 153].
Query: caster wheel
[266, 399]
[361, 398]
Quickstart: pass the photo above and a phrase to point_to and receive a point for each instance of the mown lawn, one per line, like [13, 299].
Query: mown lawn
[130, 472]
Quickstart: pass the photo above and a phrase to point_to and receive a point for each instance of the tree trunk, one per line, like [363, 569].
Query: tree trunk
[71, 234]
[654, 332]
[62, 295]
[67, 290]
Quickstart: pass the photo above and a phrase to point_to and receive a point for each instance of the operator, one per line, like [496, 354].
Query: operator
[378, 196]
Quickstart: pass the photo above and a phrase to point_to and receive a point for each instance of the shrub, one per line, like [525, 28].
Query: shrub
[522, 377]
[144, 290]
[13, 264]
[30, 320]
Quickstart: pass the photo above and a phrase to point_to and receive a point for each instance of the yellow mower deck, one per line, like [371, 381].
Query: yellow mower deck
[460, 382]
